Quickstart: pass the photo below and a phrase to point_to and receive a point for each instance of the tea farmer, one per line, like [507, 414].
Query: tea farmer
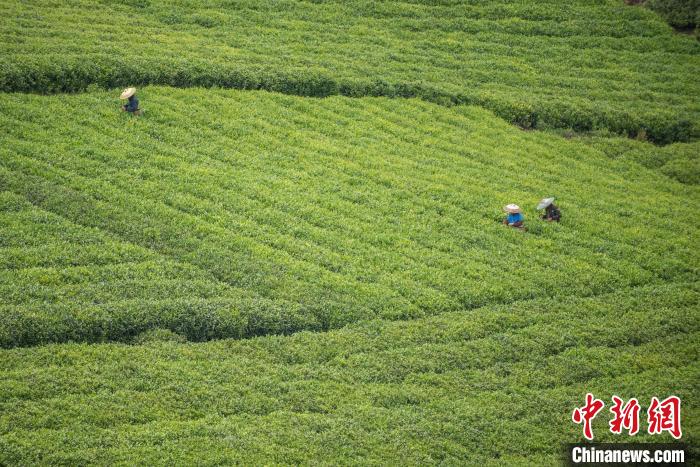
[551, 211]
[132, 104]
[514, 218]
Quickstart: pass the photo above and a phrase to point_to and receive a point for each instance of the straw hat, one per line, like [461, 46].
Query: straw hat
[127, 93]
[512, 208]
[545, 202]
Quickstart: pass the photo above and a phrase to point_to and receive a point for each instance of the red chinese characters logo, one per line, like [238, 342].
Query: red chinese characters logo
[662, 416]
[665, 416]
[626, 417]
[587, 413]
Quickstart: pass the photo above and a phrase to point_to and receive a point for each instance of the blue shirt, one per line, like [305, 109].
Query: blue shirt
[513, 218]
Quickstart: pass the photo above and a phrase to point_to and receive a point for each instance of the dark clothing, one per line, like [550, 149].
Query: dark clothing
[552, 213]
[517, 224]
[132, 105]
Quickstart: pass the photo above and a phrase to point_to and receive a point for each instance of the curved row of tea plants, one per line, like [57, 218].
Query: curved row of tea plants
[265, 213]
[583, 65]
[681, 14]
[680, 161]
[60, 281]
[496, 384]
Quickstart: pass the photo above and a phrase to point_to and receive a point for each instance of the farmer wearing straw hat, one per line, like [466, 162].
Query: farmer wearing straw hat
[551, 211]
[132, 104]
[515, 218]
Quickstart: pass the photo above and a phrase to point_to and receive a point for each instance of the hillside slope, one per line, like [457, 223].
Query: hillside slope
[310, 268]
[491, 386]
[247, 213]
[585, 64]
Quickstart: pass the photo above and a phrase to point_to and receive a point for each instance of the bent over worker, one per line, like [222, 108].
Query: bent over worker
[514, 218]
[132, 104]
[551, 211]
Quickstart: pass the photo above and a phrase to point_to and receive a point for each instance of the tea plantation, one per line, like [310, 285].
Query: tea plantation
[491, 385]
[255, 213]
[296, 255]
[583, 64]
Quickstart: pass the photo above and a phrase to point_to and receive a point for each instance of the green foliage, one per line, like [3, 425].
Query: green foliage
[367, 224]
[586, 65]
[684, 14]
[158, 335]
[684, 169]
[236, 214]
[680, 161]
[350, 246]
[494, 385]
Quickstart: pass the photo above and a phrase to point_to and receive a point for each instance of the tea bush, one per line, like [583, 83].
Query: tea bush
[684, 14]
[680, 161]
[158, 335]
[585, 65]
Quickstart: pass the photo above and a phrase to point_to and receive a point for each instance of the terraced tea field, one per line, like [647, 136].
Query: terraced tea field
[310, 268]
[585, 64]
[493, 385]
[256, 213]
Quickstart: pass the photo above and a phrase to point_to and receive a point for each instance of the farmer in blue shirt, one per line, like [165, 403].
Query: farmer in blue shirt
[514, 218]
[132, 104]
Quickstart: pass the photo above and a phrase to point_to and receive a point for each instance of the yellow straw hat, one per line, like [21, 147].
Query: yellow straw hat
[127, 93]
[512, 208]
